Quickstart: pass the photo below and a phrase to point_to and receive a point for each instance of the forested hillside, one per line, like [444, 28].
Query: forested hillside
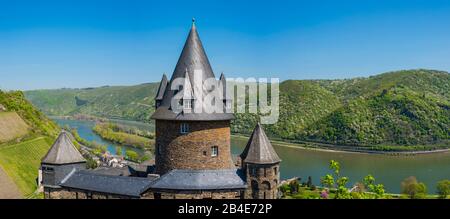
[410, 107]
[125, 102]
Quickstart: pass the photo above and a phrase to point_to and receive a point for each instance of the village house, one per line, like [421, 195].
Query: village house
[192, 151]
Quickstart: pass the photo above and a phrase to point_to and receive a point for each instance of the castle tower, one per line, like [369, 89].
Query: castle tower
[262, 166]
[61, 160]
[190, 137]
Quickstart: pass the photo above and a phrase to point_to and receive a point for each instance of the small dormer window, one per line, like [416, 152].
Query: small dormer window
[184, 128]
[187, 104]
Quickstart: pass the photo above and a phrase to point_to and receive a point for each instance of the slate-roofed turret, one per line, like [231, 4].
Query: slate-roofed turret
[259, 150]
[63, 151]
[193, 60]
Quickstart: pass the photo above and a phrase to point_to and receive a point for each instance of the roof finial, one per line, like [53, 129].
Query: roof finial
[193, 21]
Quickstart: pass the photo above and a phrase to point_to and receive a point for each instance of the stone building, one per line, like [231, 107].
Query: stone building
[261, 165]
[192, 148]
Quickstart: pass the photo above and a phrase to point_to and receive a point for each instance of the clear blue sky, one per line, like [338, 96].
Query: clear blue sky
[53, 44]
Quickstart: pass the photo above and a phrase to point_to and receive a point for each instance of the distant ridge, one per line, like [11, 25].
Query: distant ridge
[409, 107]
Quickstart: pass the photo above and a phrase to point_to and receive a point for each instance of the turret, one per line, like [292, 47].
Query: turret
[61, 160]
[188, 135]
[261, 165]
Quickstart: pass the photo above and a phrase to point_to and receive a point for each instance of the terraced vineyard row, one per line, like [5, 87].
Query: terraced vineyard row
[21, 162]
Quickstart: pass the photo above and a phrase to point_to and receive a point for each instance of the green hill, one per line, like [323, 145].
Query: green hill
[37, 121]
[410, 107]
[26, 134]
[125, 102]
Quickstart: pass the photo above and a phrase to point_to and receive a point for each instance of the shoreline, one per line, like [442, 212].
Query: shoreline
[316, 147]
[348, 150]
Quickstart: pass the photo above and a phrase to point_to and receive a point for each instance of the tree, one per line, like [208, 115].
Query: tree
[334, 165]
[443, 188]
[309, 183]
[91, 163]
[342, 191]
[336, 181]
[119, 151]
[413, 188]
[132, 155]
[378, 189]
[327, 181]
[103, 148]
[294, 186]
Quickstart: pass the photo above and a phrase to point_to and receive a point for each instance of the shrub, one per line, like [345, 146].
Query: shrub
[443, 188]
[294, 186]
[413, 189]
[132, 155]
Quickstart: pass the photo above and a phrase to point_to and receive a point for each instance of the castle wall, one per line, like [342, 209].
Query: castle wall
[262, 181]
[192, 150]
[216, 194]
[65, 193]
[53, 174]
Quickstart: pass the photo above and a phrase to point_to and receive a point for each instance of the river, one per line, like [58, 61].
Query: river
[387, 169]
[84, 129]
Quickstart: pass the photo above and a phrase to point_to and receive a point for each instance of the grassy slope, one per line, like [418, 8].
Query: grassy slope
[21, 162]
[11, 126]
[396, 108]
[39, 124]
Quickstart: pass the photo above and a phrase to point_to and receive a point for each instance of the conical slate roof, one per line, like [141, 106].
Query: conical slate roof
[63, 152]
[193, 61]
[193, 57]
[259, 150]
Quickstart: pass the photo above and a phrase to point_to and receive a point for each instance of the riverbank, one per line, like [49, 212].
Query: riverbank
[376, 149]
[346, 149]
[116, 134]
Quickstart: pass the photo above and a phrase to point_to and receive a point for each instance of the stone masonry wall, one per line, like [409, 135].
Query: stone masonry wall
[192, 150]
[218, 194]
[262, 184]
[64, 193]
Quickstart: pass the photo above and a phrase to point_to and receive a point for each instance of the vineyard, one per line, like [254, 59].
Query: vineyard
[11, 126]
[21, 162]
